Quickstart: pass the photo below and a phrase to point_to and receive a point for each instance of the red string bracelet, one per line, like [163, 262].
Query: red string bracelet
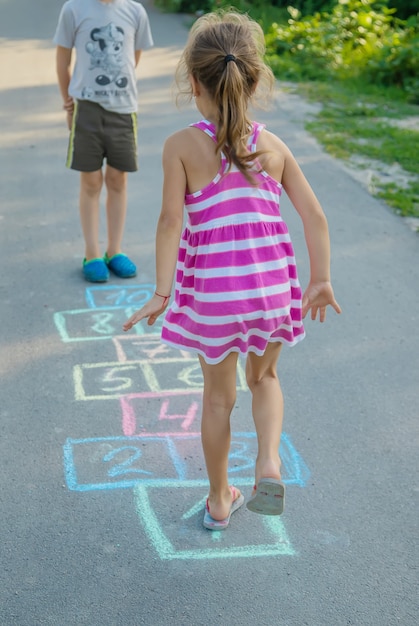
[165, 298]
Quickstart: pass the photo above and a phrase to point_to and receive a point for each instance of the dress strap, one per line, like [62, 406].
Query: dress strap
[207, 127]
[252, 141]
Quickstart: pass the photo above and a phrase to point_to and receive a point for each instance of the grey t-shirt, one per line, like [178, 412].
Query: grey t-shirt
[105, 37]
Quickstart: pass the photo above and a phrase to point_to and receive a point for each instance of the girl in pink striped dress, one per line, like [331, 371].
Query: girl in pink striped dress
[236, 283]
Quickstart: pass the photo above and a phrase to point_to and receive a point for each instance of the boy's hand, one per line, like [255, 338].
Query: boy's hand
[152, 310]
[317, 297]
[69, 119]
[68, 106]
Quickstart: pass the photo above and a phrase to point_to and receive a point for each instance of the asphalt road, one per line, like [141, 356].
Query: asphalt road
[102, 479]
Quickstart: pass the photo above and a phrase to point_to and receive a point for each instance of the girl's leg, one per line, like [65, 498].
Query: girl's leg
[116, 208]
[90, 188]
[218, 402]
[267, 409]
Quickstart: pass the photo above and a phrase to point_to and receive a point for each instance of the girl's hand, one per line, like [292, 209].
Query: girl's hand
[152, 310]
[317, 297]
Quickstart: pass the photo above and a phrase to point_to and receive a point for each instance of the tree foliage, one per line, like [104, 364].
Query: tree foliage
[404, 8]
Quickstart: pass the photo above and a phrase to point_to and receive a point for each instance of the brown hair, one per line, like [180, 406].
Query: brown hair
[232, 82]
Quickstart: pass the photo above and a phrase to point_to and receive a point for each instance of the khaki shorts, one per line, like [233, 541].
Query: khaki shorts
[97, 134]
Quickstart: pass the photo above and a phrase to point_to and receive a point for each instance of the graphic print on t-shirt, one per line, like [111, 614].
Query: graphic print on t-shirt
[106, 55]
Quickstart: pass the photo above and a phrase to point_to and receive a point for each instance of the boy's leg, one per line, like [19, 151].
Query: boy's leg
[218, 401]
[90, 188]
[121, 158]
[116, 208]
[267, 409]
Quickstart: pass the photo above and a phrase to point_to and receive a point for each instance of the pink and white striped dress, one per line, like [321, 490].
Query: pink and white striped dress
[236, 286]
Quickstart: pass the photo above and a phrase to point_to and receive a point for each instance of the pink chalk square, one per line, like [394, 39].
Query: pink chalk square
[163, 413]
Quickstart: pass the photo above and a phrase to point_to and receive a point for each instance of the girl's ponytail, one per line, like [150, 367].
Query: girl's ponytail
[224, 53]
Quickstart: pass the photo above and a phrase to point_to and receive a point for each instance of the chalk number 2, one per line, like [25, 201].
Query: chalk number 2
[124, 467]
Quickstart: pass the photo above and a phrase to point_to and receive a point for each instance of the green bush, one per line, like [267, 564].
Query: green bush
[348, 39]
[403, 8]
[397, 61]
[357, 39]
[306, 7]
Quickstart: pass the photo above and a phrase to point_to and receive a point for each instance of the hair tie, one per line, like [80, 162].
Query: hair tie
[228, 58]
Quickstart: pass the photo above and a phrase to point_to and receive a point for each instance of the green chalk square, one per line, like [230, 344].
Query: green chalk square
[176, 530]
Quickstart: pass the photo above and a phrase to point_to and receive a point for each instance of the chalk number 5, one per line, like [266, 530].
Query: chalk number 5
[115, 380]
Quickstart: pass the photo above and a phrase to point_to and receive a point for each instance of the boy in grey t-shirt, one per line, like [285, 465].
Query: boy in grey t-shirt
[100, 98]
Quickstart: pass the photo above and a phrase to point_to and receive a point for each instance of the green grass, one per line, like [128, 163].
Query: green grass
[358, 122]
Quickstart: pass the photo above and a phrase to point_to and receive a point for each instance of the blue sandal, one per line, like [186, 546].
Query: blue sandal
[120, 265]
[95, 270]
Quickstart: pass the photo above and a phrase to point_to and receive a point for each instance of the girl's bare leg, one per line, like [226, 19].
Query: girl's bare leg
[267, 409]
[218, 402]
[90, 188]
[116, 208]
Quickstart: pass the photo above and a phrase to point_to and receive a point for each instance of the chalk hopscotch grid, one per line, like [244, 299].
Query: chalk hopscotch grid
[104, 320]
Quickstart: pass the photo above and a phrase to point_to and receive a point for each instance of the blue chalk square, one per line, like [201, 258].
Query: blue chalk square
[105, 296]
[118, 462]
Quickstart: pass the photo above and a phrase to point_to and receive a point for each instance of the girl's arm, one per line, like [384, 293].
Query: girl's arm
[319, 293]
[63, 65]
[169, 230]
